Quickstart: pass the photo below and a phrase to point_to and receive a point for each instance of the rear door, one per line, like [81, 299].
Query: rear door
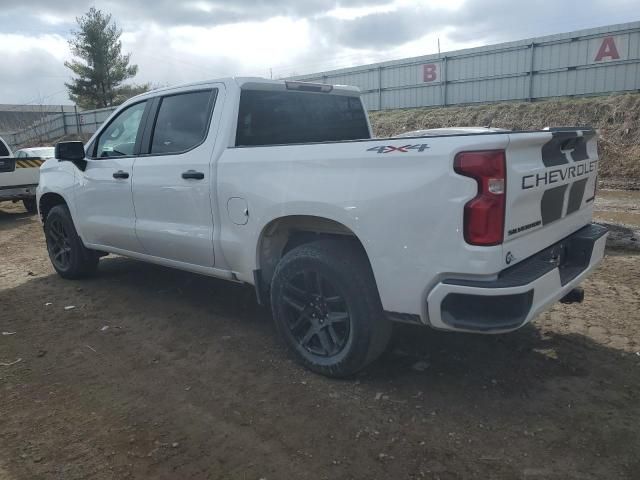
[27, 168]
[551, 182]
[173, 177]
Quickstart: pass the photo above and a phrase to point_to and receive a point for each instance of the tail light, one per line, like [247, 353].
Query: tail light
[484, 215]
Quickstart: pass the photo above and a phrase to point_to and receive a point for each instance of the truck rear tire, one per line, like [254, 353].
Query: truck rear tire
[30, 205]
[68, 255]
[326, 307]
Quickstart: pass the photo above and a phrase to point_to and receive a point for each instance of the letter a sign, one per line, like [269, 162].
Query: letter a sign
[607, 51]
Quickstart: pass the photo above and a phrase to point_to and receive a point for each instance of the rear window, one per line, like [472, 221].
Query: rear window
[272, 118]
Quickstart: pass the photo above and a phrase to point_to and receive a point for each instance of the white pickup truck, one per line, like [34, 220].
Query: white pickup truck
[19, 176]
[280, 185]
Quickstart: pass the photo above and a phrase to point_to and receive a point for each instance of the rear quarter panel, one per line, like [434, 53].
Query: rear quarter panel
[405, 207]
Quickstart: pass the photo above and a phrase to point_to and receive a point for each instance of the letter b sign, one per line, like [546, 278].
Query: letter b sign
[431, 72]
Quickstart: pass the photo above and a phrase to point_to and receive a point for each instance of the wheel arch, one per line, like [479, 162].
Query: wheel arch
[49, 200]
[284, 233]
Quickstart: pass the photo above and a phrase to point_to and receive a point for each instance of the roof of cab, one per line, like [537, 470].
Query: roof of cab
[257, 83]
[268, 84]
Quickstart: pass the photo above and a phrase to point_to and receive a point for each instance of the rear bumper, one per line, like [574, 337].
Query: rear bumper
[17, 192]
[519, 293]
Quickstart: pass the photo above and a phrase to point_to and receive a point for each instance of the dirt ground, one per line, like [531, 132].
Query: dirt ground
[161, 374]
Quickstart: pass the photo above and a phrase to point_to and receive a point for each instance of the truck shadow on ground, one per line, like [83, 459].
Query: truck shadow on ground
[169, 299]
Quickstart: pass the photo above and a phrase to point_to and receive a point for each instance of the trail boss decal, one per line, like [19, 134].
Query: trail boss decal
[524, 228]
[402, 149]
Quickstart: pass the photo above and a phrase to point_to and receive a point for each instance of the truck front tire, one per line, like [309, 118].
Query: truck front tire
[327, 309]
[68, 255]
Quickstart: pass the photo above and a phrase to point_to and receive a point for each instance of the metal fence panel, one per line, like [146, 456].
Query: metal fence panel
[55, 126]
[587, 62]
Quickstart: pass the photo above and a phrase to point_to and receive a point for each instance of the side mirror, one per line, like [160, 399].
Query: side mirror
[71, 152]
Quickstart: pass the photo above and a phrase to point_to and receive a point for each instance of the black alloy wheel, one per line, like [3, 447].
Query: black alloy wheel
[317, 314]
[327, 309]
[59, 245]
[68, 255]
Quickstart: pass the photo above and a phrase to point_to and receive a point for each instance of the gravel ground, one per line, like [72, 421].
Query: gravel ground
[161, 374]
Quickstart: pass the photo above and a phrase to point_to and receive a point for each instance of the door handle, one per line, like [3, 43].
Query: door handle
[192, 175]
[120, 174]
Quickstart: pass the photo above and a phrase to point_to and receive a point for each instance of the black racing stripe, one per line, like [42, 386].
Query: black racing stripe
[576, 194]
[552, 154]
[580, 150]
[552, 203]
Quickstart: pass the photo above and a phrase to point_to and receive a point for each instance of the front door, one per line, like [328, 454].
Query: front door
[104, 197]
[172, 178]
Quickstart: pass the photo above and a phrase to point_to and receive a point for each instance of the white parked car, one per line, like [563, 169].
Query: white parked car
[41, 153]
[279, 184]
[19, 174]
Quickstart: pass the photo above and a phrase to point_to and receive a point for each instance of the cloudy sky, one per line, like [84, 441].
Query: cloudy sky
[176, 41]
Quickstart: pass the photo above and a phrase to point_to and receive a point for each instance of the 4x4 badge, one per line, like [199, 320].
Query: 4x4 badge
[403, 149]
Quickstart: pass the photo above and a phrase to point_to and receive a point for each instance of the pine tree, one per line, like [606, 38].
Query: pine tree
[102, 67]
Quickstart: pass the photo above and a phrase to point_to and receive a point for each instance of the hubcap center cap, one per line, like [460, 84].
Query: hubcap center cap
[318, 308]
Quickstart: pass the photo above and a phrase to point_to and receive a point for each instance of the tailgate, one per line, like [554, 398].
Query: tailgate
[551, 182]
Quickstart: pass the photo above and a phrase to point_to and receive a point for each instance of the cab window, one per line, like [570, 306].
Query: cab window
[182, 122]
[119, 138]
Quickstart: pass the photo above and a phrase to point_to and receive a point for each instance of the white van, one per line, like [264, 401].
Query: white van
[19, 177]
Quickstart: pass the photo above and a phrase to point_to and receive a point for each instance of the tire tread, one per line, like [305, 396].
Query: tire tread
[85, 261]
[346, 258]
